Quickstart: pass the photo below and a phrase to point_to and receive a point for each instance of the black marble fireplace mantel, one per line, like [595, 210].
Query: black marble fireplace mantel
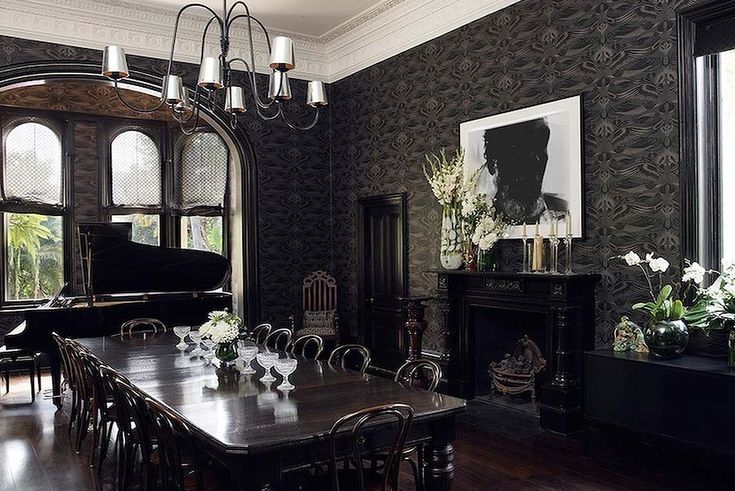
[565, 302]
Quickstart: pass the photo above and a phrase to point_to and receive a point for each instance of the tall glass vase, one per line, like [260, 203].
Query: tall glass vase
[451, 238]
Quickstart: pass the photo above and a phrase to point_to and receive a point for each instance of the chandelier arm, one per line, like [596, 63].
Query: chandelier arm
[137, 109]
[253, 85]
[253, 78]
[176, 29]
[204, 39]
[294, 126]
[262, 27]
[266, 117]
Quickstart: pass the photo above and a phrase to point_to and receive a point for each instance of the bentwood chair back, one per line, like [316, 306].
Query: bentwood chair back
[309, 346]
[398, 417]
[424, 374]
[177, 456]
[279, 339]
[145, 325]
[261, 332]
[103, 410]
[81, 413]
[351, 355]
[69, 378]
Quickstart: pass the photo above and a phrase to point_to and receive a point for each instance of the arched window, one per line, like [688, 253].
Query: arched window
[32, 210]
[136, 184]
[201, 192]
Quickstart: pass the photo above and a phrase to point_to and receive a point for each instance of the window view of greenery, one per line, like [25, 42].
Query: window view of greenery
[35, 256]
[146, 228]
[202, 233]
[727, 149]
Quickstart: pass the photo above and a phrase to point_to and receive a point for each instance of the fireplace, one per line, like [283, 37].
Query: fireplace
[484, 315]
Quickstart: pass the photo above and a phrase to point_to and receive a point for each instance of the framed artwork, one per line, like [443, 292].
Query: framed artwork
[530, 162]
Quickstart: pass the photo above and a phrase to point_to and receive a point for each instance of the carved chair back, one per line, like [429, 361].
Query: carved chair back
[400, 415]
[319, 292]
[355, 354]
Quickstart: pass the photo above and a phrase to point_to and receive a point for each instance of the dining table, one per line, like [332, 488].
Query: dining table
[259, 433]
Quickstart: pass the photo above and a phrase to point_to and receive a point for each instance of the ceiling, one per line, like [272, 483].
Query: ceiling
[309, 17]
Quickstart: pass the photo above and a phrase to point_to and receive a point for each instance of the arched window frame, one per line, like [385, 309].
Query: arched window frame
[9, 120]
[159, 135]
[178, 211]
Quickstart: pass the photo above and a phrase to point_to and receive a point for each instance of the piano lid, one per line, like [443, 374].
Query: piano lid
[112, 263]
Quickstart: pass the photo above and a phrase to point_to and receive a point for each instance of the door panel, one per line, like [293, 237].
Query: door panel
[383, 277]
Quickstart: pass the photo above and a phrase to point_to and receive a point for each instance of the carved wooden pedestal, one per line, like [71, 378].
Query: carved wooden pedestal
[566, 301]
[413, 312]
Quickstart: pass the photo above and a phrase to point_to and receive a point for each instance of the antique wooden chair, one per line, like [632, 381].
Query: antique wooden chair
[260, 332]
[278, 339]
[354, 426]
[350, 356]
[319, 303]
[306, 344]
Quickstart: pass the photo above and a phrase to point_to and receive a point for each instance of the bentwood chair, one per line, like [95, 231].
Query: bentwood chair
[396, 417]
[350, 355]
[145, 325]
[278, 339]
[81, 413]
[310, 343]
[423, 374]
[177, 455]
[69, 378]
[261, 332]
[104, 411]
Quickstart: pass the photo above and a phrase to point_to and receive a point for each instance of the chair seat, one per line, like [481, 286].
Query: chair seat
[348, 481]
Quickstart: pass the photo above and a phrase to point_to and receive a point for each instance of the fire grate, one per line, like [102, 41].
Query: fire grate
[516, 373]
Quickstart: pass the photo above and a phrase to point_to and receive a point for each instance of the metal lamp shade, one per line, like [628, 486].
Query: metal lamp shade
[316, 95]
[114, 64]
[174, 89]
[282, 55]
[210, 73]
[234, 100]
[279, 87]
[183, 106]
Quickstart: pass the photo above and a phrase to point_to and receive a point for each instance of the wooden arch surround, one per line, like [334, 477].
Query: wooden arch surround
[17, 84]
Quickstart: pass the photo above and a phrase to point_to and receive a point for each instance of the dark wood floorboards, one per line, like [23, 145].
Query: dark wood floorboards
[496, 450]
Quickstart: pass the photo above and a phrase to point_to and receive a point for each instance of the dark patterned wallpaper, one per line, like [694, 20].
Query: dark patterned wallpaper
[621, 55]
[293, 181]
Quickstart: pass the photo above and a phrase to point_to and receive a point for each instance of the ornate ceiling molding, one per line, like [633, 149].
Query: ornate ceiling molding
[388, 28]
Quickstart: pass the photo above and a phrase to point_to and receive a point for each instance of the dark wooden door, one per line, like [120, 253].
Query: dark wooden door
[383, 277]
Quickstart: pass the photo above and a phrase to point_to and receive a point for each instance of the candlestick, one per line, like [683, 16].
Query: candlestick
[525, 267]
[538, 251]
[568, 219]
[568, 253]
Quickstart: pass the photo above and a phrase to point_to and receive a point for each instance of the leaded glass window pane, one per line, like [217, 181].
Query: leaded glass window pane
[136, 170]
[203, 171]
[201, 233]
[33, 164]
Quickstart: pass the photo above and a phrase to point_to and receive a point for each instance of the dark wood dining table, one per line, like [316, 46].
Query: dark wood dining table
[258, 432]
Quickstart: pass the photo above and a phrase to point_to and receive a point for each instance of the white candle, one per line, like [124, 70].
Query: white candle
[525, 233]
[538, 224]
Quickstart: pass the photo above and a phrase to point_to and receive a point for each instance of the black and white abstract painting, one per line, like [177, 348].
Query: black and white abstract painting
[529, 162]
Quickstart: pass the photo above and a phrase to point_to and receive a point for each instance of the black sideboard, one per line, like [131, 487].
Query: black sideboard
[559, 308]
[685, 404]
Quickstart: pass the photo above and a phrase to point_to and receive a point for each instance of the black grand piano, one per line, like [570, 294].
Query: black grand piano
[124, 280]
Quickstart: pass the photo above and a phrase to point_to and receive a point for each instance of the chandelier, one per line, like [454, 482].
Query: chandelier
[216, 75]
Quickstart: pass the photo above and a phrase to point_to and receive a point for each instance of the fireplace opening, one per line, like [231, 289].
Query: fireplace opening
[497, 333]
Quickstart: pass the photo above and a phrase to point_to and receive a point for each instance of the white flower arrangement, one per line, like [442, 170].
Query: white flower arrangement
[714, 307]
[446, 177]
[489, 229]
[222, 327]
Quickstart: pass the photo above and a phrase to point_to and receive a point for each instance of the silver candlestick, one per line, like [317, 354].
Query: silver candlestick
[568, 253]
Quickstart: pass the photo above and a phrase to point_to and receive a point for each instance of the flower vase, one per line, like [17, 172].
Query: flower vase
[471, 257]
[667, 339]
[226, 352]
[731, 348]
[451, 238]
[485, 260]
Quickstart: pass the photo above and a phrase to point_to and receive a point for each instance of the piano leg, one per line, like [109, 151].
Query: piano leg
[55, 364]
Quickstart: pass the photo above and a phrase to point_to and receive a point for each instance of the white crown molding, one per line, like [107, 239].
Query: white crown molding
[388, 28]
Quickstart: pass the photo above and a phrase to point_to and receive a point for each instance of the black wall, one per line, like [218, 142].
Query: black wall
[620, 54]
[293, 181]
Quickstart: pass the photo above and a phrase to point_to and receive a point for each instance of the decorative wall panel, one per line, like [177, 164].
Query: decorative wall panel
[620, 54]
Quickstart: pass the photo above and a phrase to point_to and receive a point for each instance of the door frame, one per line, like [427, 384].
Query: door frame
[364, 202]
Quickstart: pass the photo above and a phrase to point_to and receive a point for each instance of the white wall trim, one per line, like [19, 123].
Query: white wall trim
[388, 28]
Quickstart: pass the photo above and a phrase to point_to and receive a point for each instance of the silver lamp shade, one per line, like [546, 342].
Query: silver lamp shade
[114, 64]
[279, 87]
[174, 89]
[282, 56]
[234, 100]
[210, 73]
[315, 94]
[183, 106]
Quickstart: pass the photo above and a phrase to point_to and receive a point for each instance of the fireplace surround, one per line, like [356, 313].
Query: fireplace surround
[556, 310]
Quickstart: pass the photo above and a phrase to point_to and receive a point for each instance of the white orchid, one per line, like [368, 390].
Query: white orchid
[658, 265]
[694, 273]
[632, 259]
[489, 230]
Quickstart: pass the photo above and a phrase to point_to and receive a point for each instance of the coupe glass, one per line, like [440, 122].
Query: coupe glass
[248, 353]
[196, 338]
[267, 360]
[209, 344]
[285, 366]
[182, 332]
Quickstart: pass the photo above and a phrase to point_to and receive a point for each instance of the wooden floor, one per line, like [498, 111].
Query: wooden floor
[496, 449]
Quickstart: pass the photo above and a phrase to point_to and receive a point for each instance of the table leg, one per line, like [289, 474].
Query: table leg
[439, 471]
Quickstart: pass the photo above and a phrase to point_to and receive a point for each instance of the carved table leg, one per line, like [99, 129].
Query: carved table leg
[439, 471]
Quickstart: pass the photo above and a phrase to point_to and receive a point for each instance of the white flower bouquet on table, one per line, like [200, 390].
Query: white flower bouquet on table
[224, 328]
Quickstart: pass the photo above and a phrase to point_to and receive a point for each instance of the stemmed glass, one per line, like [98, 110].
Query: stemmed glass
[286, 366]
[196, 338]
[267, 360]
[182, 332]
[209, 344]
[248, 353]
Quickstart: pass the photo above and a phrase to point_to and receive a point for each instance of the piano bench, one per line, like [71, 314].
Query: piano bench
[17, 360]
